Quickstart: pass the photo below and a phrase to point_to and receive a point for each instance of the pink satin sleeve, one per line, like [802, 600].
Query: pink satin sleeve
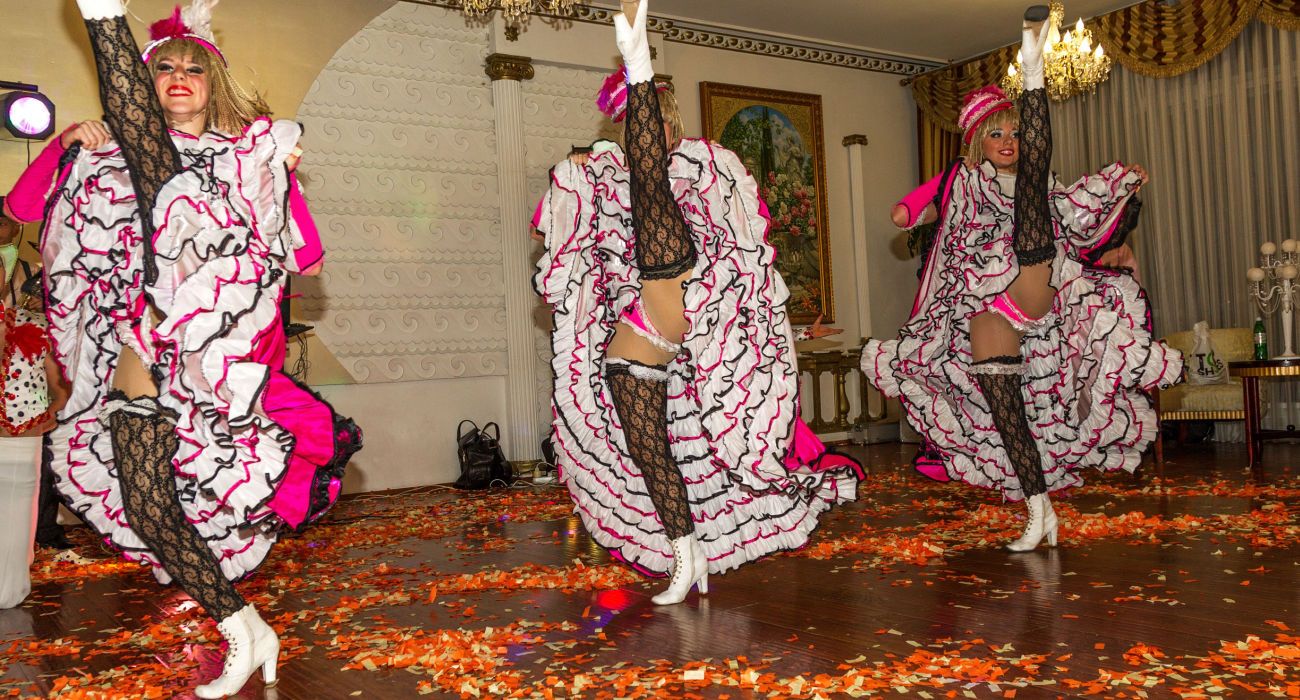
[26, 201]
[311, 252]
[918, 199]
[537, 213]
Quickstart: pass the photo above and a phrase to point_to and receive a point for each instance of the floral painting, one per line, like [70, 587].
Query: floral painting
[778, 135]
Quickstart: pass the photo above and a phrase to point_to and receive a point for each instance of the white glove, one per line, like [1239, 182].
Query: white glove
[634, 44]
[1031, 54]
[101, 9]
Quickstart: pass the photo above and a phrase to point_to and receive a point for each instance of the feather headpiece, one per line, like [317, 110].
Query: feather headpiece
[612, 98]
[193, 23]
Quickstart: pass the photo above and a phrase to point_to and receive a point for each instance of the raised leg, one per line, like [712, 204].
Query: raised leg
[131, 110]
[665, 247]
[1034, 241]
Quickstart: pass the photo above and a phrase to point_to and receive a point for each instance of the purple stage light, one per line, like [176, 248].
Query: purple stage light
[27, 115]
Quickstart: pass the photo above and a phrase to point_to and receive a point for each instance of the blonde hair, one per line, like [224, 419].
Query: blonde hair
[672, 115]
[975, 149]
[230, 109]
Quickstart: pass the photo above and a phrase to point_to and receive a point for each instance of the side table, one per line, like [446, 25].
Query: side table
[1251, 372]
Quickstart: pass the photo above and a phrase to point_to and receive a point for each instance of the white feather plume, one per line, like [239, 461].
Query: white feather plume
[198, 17]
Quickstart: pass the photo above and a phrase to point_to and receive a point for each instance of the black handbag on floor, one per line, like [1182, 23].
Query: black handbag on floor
[482, 464]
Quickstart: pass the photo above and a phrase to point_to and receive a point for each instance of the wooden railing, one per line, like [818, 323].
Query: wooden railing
[840, 364]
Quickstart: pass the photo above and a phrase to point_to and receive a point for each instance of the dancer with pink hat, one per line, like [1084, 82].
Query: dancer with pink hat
[167, 250]
[1020, 366]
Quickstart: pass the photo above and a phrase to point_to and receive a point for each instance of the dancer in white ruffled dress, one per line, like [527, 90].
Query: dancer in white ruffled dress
[167, 254]
[676, 388]
[1020, 366]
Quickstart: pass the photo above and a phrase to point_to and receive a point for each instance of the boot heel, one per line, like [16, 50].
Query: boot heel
[269, 670]
[1051, 537]
[704, 584]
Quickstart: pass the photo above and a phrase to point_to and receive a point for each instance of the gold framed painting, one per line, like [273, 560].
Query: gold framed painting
[778, 135]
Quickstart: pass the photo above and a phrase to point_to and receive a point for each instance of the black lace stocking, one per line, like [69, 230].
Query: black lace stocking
[1034, 243]
[1002, 390]
[135, 117]
[664, 247]
[642, 406]
[144, 441]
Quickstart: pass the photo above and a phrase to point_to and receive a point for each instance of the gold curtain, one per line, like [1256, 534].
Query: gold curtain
[939, 93]
[938, 146]
[1283, 14]
[1159, 40]
[1151, 38]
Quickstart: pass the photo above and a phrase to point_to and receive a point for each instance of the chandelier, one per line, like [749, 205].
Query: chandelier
[1070, 63]
[516, 10]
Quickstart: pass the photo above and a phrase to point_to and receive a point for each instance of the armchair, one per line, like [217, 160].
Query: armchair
[1210, 402]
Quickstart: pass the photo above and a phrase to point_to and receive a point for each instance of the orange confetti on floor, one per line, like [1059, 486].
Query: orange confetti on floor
[1155, 591]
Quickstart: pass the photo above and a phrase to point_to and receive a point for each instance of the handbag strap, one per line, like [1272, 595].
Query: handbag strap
[496, 431]
[460, 434]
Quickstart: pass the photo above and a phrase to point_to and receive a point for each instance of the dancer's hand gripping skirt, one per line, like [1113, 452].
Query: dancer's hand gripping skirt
[144, 440]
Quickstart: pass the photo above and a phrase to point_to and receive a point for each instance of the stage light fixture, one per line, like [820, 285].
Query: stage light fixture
[25, 112]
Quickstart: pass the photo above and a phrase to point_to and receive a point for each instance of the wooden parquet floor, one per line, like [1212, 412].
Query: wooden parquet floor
[1181, 587]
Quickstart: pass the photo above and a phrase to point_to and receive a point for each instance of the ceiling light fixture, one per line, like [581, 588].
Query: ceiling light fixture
[1071, 64]
[515, 11]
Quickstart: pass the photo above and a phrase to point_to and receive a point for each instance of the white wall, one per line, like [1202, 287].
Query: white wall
[410, 428]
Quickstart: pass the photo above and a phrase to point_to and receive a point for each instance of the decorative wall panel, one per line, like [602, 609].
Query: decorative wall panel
[400, 172]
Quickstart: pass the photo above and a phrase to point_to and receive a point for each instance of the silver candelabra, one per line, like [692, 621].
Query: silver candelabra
[1273, 285]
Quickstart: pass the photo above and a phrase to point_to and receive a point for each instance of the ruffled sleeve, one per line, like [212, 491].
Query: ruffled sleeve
[574, 223]
[1089, 210]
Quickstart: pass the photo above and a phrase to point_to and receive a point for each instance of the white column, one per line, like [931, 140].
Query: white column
[856, 145]
[521, 434]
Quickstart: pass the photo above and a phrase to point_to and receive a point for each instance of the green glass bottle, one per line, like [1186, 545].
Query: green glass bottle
[1261, 340]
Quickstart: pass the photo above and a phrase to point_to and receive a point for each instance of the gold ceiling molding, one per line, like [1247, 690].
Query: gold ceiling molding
[744, 41]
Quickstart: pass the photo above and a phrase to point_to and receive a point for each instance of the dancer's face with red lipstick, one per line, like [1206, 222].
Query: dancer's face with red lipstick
[1002, 145]
[183, 90]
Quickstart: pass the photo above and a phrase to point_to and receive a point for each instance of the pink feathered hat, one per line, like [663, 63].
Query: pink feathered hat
[612, 98]
[194, 23]
[980, 105]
